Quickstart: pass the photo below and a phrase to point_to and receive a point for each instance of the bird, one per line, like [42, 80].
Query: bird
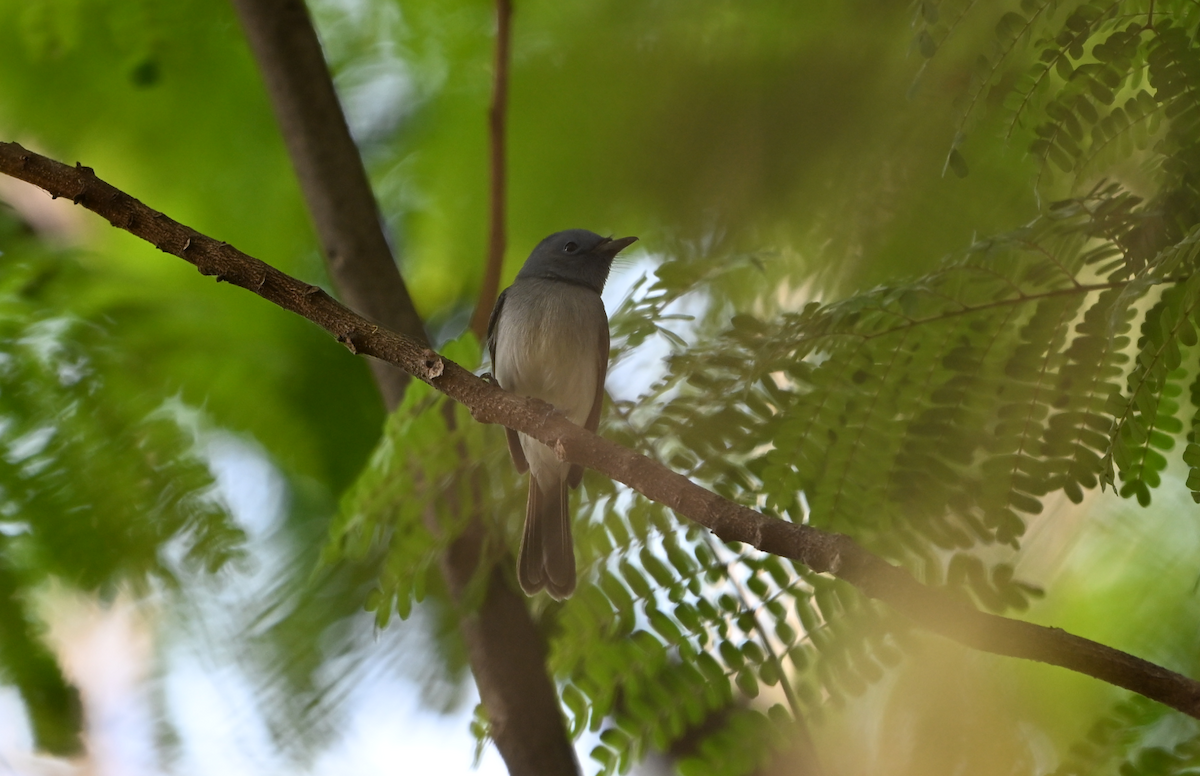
[548, 338]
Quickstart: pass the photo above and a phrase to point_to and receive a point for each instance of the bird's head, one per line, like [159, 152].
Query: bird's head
[575, 256]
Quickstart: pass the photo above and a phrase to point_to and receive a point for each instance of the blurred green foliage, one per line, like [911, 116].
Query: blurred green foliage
[99, 488]
[924, 275]
[75, 87]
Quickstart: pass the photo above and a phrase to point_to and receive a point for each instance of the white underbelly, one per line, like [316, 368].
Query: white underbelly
[546, 347]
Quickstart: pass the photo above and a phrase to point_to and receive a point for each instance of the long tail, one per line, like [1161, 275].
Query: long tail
[547, 553]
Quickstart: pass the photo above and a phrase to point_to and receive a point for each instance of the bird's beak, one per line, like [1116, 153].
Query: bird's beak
[613, 247]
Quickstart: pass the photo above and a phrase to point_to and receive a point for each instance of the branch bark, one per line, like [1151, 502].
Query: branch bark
[506, 651]
[823, 552]
[497, 212]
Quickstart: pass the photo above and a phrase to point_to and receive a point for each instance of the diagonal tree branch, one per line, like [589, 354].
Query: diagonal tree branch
[506, 651]
[823, 552]
[497, 199]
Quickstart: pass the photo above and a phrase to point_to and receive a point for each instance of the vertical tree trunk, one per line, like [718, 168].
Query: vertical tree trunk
[506, 651]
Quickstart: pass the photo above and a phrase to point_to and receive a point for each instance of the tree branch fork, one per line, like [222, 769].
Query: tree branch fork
[822, 551]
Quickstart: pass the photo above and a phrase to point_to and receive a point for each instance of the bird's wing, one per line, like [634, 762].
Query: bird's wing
[491, 330]
[575, 476]
[514, 441]
[602, 346]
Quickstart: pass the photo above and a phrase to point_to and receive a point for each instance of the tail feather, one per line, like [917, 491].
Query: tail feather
[547, 557]
[530, 571]
[559, 550]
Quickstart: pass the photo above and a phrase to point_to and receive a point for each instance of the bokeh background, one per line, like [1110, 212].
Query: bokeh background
[808, 140]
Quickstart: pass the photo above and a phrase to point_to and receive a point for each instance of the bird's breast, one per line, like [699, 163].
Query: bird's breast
[547, 342]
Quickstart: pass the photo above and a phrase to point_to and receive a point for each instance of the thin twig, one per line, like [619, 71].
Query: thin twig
[497, 118]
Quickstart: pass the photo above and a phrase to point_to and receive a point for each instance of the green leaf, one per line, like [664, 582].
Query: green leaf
[956, 163]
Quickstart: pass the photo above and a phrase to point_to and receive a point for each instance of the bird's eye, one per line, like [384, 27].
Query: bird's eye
[571, 247]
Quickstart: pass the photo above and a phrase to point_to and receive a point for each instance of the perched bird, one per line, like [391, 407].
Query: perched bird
[548, 338]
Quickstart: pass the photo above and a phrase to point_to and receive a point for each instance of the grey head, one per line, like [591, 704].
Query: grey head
[574, 256]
